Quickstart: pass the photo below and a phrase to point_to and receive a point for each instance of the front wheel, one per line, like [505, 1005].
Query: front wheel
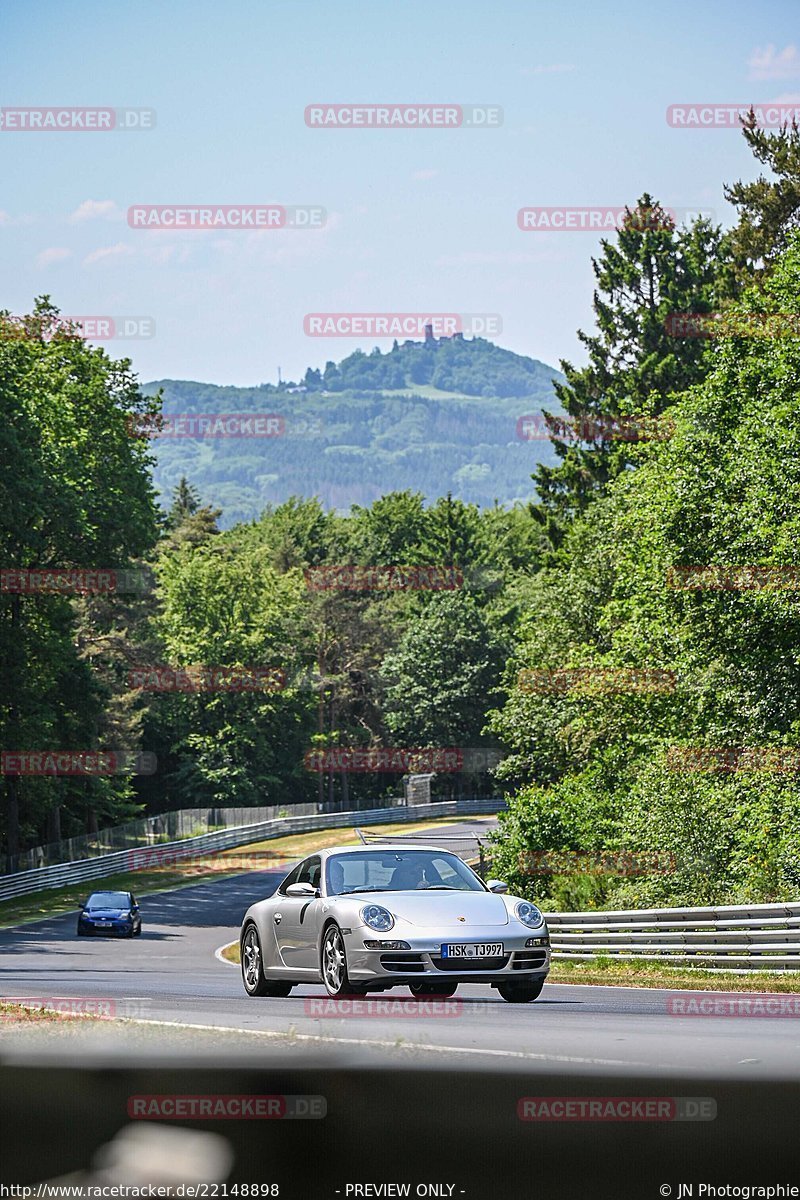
[333, 965]
[521, 993]
[253, 978]
[432, 989]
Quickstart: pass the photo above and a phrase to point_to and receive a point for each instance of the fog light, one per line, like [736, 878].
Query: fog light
[542, 941]
[387, 945]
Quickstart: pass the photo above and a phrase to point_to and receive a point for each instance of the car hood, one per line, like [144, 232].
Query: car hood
[431, 909]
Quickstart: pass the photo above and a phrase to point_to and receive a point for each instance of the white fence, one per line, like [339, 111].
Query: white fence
[22, 883]
[762, 937]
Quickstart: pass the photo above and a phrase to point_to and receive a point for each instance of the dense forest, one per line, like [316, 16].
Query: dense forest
[434, 417]
[639, 709]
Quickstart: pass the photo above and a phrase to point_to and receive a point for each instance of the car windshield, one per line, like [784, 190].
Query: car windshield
[398, 871]
[109, 900]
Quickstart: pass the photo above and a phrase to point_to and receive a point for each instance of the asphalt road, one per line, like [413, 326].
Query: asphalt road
[171, 975]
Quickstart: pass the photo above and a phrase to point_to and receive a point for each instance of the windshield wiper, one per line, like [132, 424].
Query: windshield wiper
[440, 887]
[349, 891]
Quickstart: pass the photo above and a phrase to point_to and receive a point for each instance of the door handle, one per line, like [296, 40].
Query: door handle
[277, 918]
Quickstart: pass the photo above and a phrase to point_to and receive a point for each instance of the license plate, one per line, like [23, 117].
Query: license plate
[473, 950]
[104, 924]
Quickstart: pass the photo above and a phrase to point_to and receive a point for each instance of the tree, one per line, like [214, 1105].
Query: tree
[76, 492]
[648, 761]
[443, 674]
[185, 502]
[769, 211]
[636, 364]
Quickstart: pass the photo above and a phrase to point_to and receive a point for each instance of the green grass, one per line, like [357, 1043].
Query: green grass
[603, 970]
[19, 1014]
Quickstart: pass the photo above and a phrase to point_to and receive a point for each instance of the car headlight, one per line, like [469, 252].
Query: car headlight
[529, 914]
[377, 917]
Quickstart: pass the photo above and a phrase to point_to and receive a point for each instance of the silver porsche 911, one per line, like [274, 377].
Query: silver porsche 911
[364, 919]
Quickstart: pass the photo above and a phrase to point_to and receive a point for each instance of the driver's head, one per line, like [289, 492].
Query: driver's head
[408, 875]
[335, 877]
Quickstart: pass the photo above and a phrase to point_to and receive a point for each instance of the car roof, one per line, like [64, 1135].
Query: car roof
[381, 847]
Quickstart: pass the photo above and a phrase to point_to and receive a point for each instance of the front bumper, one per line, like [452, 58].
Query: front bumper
[115, 927]
[423, 961]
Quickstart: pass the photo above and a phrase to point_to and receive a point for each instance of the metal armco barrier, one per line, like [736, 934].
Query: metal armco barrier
[741, 936]
[24, 882]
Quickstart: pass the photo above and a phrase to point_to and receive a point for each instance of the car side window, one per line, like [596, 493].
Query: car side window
[310, 871]
[292, 877]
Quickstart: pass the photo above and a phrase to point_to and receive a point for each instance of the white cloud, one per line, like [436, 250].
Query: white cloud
[766, 62]
[91, 210]
[53, 254]
[549, 69]
[425, 173]
[120, 250]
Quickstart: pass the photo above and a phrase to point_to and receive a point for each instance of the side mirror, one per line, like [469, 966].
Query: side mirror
[302, 889]
[81, 906]
[496, 885]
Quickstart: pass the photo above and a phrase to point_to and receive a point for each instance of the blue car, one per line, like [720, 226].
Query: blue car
[110, 912]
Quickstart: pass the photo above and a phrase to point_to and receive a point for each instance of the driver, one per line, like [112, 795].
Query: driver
[409, 876]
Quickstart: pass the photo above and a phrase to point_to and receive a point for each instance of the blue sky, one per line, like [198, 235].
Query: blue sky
[418, 220]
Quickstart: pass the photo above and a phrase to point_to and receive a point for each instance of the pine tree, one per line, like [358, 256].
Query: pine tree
[636, 363]
[768, 211]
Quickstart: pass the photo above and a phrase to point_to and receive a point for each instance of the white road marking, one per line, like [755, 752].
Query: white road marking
[383, 1044]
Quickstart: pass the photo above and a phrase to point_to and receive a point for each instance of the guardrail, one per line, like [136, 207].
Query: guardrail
[42, 878]
[741, 936]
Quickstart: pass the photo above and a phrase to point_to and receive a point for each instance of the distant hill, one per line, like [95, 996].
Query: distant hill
[432, 416]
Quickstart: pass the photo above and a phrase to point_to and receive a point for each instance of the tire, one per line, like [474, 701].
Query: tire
[445, 988]
[333, 965]
[82, 932]
[252, 968]
[521, 993]
[138, 932]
